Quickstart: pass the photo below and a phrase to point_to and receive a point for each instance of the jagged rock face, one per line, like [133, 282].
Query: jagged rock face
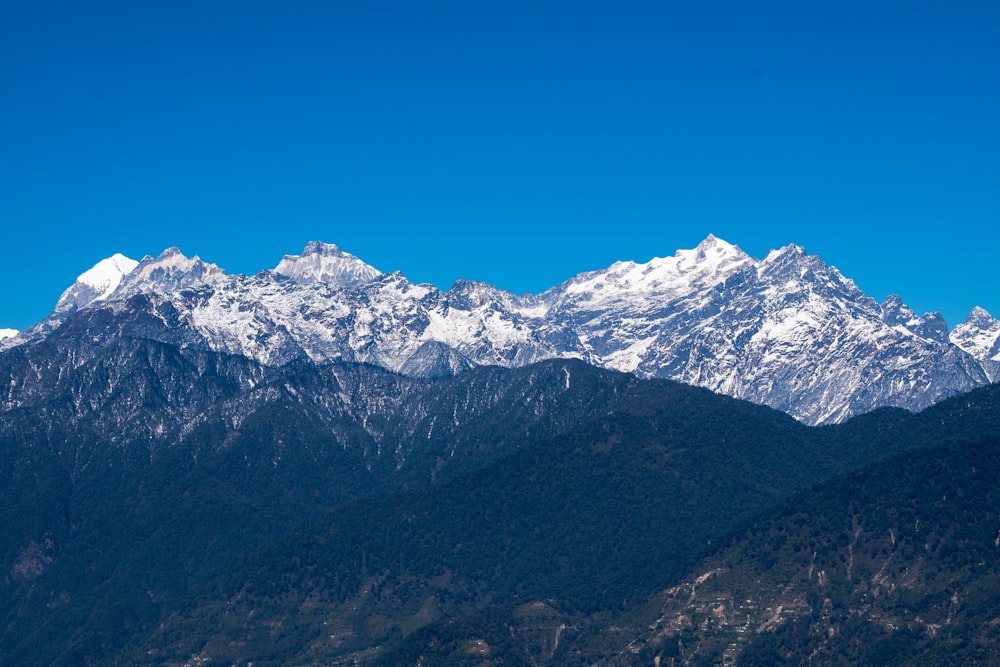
[787, 331]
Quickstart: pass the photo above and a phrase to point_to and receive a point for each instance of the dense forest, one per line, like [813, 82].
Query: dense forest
[558, 523]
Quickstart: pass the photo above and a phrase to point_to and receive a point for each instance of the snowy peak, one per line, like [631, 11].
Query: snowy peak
[784, 252]
[790, 257]
[979, 335]
[788, 331]
[980, 317]
[106, 275]
[96, 283]
[934, 327]
[8, 333]
[168, 272]
[710, 263]
[793, 271]
[328, 264]
[893, 308]
[472, 294]
[713, 256]
[897, 314]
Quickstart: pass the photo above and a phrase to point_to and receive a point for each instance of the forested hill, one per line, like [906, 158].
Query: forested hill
[898, 564]
[551, 553]
[165, 505]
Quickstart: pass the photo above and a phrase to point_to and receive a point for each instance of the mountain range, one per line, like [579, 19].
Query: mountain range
[787, 331]
[322, 464]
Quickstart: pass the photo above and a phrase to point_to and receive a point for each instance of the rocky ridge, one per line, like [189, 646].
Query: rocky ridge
[788, 331]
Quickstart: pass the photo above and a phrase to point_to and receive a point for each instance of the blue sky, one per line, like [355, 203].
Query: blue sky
[515, 143]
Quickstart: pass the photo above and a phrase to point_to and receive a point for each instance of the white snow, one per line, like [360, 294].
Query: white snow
[8, 333]
[979, 335]
[327, 263]
[172, 262]
[105, 276]
[628, 358]
[788, 331]
[710, 263]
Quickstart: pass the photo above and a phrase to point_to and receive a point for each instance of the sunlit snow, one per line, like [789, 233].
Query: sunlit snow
[979, 335]
[107, 274]
[787, 331]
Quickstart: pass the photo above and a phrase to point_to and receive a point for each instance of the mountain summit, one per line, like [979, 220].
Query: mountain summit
[711, 262]
[96, 283]
[787, 331]
[326, 263]
[979, 335]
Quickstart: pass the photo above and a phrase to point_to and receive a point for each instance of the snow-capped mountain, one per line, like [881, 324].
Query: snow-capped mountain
[326, 263]
[96, 283]
[787, 331]
[979, 335]
[92, 286]
[169, 272]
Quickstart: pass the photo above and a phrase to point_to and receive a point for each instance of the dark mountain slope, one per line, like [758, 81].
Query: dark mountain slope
[141, 471]
[568, 530]
[897, 564]
[137, 475]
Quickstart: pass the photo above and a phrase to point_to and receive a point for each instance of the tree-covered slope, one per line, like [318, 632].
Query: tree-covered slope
[162, 504]
[896, 564]
[113, 507]
[549, 543]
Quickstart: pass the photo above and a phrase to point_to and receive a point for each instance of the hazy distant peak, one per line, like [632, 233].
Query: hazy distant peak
[326, 263]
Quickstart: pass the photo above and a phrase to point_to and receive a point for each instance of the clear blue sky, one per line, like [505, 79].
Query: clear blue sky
[512, 142]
